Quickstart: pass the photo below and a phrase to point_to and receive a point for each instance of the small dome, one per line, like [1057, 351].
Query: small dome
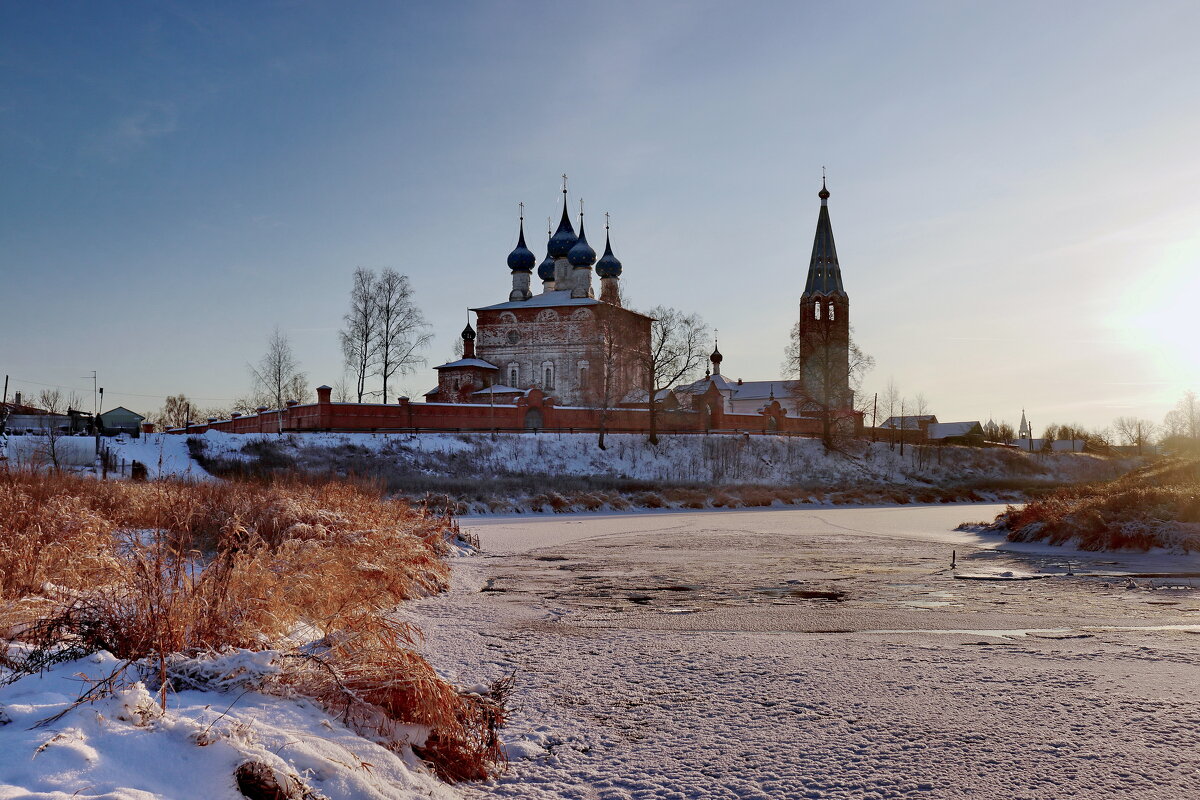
[609, 266]
[468, 333]
[581, 253]
[521, 259]
[564, 238]
[546, 268]
[716, 356]
[824, 193]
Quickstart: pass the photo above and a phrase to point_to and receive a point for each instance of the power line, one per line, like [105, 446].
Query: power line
[112, 392]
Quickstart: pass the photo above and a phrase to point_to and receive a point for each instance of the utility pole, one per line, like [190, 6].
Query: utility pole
[875, 417]
[96, 418]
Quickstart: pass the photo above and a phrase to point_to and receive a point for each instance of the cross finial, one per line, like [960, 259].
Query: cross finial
[564, 177]
[522, 206]
[605, 220]
[581, 206]
[549, 225]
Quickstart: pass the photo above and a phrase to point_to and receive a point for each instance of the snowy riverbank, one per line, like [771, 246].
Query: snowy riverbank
[515, 473]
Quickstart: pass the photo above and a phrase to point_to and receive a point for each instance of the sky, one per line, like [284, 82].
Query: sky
[1015, 186]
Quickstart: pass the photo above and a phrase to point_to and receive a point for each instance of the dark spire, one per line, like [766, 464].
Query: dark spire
[609, 266]
[581, 253]
[521, 259]
[468, 337]
[564, 238]
[824, 273]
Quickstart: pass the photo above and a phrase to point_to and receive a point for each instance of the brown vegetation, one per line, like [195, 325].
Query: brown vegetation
[155, 572]
[1155, 506]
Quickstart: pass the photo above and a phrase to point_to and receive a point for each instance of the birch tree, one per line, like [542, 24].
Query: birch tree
[360, 337]
[402, 328]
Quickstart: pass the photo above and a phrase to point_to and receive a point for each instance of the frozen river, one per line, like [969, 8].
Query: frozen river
[826, 653]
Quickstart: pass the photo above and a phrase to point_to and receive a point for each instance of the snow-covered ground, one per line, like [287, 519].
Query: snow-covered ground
[125, 748]
[691, 655]
[483, 465]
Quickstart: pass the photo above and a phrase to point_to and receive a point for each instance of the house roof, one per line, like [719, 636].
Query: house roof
[908, 422]
[468, 362]
[942, 430]
[561, 297]
[119, 411]
[500, 388]
[555, 299]
[762, 390]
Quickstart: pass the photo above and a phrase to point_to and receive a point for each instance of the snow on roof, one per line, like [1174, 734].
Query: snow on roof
[468, 362]
[762, 390]
[544, 300]
[701, 386]
[552, 300]
[942, 430]
[500, 388]
[909, 423]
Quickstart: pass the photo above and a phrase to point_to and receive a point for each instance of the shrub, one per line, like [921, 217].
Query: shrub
[154, 571]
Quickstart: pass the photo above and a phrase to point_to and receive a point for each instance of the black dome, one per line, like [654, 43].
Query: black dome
[609, 266]
[564, 238]
[521, 259]
[581, 253]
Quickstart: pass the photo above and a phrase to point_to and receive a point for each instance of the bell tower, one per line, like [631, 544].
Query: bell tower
[825, 320]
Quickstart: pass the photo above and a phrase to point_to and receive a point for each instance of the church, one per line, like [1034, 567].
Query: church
[567, 343]
[562, 340]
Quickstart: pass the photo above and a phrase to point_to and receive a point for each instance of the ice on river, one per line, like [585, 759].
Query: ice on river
[823, 653]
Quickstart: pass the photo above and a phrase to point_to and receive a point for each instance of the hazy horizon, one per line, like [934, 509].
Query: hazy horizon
[1014, 187]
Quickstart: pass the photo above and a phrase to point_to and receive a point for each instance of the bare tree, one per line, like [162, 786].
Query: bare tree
[278, 378]
[891, 404]
[821, 363]
[174, 413]
[920, 405]
[402, 328]
[1134, 432]
[343, 392]
[51, 400]
[677, 349]
[1181, 426]
[360, 337]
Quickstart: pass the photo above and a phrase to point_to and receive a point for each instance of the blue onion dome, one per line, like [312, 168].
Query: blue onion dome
[468, 333]
[564, 238]
[824, 193]
[546, 268]
[581, 253]
[521, 259]
[609, 266]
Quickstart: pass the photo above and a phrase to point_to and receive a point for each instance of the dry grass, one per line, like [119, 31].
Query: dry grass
[148, 571]
[1156, 506]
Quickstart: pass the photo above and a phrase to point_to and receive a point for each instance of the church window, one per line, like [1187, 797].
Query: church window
[548, 374]
[583, 374]
[817, 310]
[831, 312]
[514, 375]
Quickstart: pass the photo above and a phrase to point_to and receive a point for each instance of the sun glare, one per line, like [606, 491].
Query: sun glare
[1160, 317]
